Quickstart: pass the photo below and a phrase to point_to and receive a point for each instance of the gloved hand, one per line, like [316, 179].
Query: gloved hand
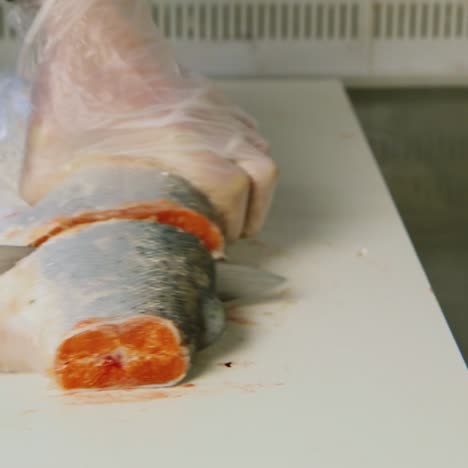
[107, 90]
[14, 113]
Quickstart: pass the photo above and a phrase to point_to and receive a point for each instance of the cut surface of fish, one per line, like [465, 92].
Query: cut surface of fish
[139, 351]
[104, 193]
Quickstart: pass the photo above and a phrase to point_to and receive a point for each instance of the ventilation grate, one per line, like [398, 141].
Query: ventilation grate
[313, 19]
[381, 39]
[244, 21]
[251, 20]
[420, 20]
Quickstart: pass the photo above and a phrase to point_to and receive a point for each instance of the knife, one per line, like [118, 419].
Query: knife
[11, 255]
[233, 281]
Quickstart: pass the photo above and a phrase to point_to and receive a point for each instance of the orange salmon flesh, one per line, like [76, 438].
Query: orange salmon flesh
[142, 350]
[163, 211]
[139, 351]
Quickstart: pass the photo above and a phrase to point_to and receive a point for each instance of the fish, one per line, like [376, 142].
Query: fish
[139, 174]
[124, 284]
[122, 191]
[117, 303]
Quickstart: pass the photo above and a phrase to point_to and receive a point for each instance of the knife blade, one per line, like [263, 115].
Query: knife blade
[11, 255]
[233, 281]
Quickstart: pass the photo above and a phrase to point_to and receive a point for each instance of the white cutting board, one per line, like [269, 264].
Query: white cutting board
[352, 366]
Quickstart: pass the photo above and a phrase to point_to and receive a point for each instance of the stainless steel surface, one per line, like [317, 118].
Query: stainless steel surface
[420, 140]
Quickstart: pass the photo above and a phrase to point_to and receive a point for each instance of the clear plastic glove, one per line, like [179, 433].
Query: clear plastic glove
[14, 114]
[107, 90]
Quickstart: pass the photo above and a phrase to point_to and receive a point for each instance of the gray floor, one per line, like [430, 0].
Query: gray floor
[420, 139]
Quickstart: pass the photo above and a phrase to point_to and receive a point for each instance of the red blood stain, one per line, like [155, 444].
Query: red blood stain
[113, 361]
[109, 397]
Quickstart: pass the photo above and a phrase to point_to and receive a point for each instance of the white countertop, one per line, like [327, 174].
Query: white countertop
[352, 366]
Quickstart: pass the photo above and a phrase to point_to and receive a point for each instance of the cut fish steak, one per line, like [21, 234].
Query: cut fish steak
[113, 304]
[121, 288]
[138, 173]
[116, 191]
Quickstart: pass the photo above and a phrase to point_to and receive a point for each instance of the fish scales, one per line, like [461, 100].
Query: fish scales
[94, 194]
[116, 283]
[121, 248]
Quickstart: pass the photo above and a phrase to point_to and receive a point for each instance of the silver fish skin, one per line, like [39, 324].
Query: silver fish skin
[100, 189]
[108, 274]
[107, 300]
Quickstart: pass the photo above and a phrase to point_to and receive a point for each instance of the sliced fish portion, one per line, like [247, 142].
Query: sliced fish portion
[122, 192]
[112, 304]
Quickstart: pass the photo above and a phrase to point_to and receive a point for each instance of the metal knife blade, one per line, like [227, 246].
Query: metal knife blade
[11, 255]
[233, 281]
[244, 282]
